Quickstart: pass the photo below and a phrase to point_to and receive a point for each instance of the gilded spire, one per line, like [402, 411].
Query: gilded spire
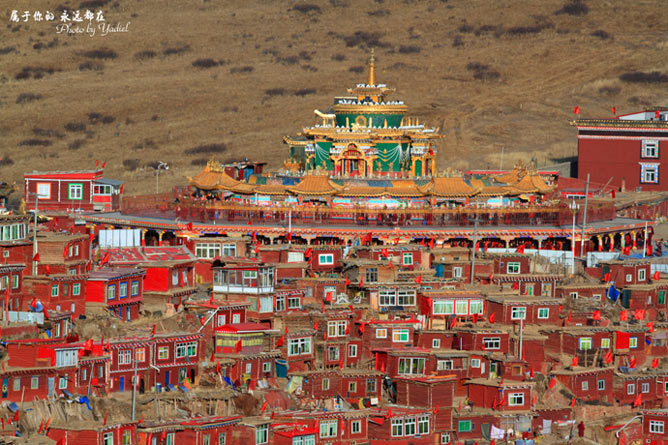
[372, 70]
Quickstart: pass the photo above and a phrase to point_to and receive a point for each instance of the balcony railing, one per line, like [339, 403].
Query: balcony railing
[187, 209]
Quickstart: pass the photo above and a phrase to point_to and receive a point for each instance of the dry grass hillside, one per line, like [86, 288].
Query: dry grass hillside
[192, 80]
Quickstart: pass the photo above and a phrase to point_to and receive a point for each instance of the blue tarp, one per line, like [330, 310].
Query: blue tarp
[183, 388]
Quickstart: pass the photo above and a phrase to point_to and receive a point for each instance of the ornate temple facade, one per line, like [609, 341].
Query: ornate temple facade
[366, 134]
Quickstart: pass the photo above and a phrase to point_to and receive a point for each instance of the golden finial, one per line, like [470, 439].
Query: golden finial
[372, 70]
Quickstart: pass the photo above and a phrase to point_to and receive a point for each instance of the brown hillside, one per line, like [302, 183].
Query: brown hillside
[495, 74]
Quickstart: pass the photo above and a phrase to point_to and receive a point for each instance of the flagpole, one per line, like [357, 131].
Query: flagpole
[644, 238]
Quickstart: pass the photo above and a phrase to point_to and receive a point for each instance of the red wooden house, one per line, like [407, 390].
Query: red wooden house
[434, 338]
[443, 306]
[252, 366]
[500, 395]
[511, 309]
[208, 249]
[210, 431]
[111, 433]
[462, 364]
[170, 275]
[15, 244]
[588, 383]
[632, 387]
[351, 384]
[385, 334]
[57, 293]
[401, 425]
[587, 343]
[407, 361]
[483, 339]
[436, 394]
[85, 190]
[11, 287]
[62, 253]
[655, 426]
[118, 290]
[595, 291]
[625, 150]
[627, 272]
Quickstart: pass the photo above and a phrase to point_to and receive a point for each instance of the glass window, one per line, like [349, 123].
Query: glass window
[513, 268]
[326, 259]
[400, 335]
[649, 173]
[54, 290]
[355, 426]
[294, 303]
[443, 307]
[127, 437]
[605, 343]
[476, 307]
[207, 250]
[299, 346]
[381, 333]
[387, 297]
[221, 439]
[631, 388]
[62, 382]
[584, 343]
[518, 313]
[650, 148]
[261, 434]
[206, 439]
[134, 288]
[108, 438]
[662, 296]
[462, 307]
[371, 386]
[644, 388]
[75, 191]
[325, 384]
[352, 350]
[124, 357]
[371, 275]
[76, 289]
[543, 313]
[34, 382]
[601, 385]
[397, 427]
[516, 399]
[352, 387]
[423, 424]
[464, 426]
[492, 343]
[123, 290]
[656, 426]
[333, 353]
[16, 386]
[163, 352]
[111, 292]
[140, 354]
[633, 342]
[641, 274]
[456, 272]
[411, 366]
[44, 190]
[410, 424]
[436, 343]
[444, 365]
[585, 385]
[475, 363]
[406, 297]
[408, 258]
[328, 428]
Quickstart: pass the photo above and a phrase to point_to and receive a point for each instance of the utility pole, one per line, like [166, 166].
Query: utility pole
[134, 387]
[644, 239]
[475, 240]
[34, 233]
[584, 217]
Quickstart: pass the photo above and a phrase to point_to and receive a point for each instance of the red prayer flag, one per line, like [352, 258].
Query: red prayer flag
[657, 275]
[16, 417]
[655, 363]
[264, 407]
[36, 257]
[492, 317]
[608, 357]
[280, 341]
[623, 315]
[153, 331]
[614, 110]
[315, 325]
[453, 323]
[436, 409]
[657, 114]
[596, 315]
[639, 314]
[104, 164]
[520, 248]
[633, 362]
[574, 362]
[573, 403]
[650, 326]
[606, 277]
[238, 346]
[362, 328]
[638, 400]
[576, 109]
[553, 383]
[361, 281]
[213, 356]
[105, 418]
[347, 282]
[516, 285]
[418, 279]
[570, 316]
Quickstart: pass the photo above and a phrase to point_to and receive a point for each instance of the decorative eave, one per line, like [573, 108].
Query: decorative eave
[620, 124]
[291, 141]
[370, 109]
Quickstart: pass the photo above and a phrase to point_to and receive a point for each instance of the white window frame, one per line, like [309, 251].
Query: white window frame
[34, 382]
[656, 426]
[411, 364]
[585, 343]
[337, 328]
[356, 427]
[207, 250]
[352, 350]
[584, 385]
[605, 343]
[630, 388]
[600, 384]
[163, 352]
[475, 363]
[445, 365]
[423, 424]
[513, 268]
[261, 434]
[299, 346]
[641, 274]
[407, 259]
[397, 427]
[381, 333]
[44, 190]
[516, 399]
[399, 334]
[457, 272]
[443, 307]
[650, 148]
[492, 342]
[543, 313]
[644, 387]
[633, 342]
[649, 173]
[266, 367]
[328, 428]
[326, 259]
[436, 343]
[518, 313]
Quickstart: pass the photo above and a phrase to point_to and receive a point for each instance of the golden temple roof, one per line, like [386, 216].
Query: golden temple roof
[449, 187]
[213, 177]
[315, 185]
